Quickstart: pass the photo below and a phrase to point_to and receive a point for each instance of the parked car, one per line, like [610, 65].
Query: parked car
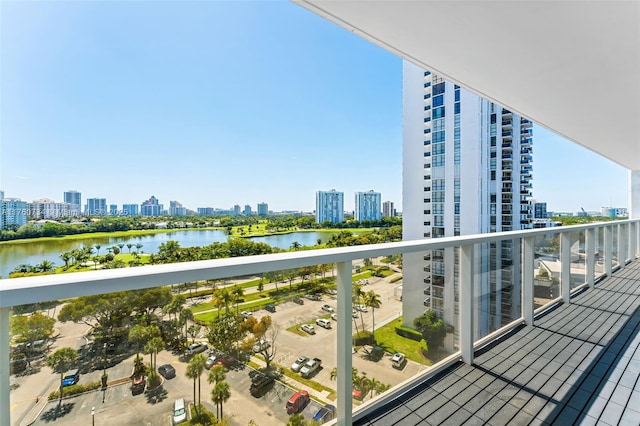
[246, 314]
[327, 308]
[376, 353]
[71, 377]
[324, 323]
[361, 308]
[270, 307]
[315, 297]
[225, 360]
[310, 367]
[298, 363]
[261, 345]
[297, 402]
[196, 348]
[308, 328]
[298, 300]
[260, 385]
[211, 361]
[324, 414]
[179, 411]
[17, 365]
[398, 360]
[331, 292]
[138, 384]
[334, 317]
[167, 371]
[354, 314]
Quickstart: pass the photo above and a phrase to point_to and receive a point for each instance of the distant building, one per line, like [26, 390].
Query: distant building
[48, 209]
[545, 223]
[176, 209]
[614, 212]
[130, 209]
[13, 213]
[74, 198]
[151, 207]
[388, 209]
[205, 211]
[329, 206]
[368, 206]
[236, 210]
[96, 207]
[113, 209]
[247, 210]
[539, 210]
[263, 209]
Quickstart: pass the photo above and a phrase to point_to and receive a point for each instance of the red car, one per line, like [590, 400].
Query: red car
[297, 402]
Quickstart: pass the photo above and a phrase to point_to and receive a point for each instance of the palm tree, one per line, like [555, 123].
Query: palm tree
[295, 245]
[186, 315]
[216, 374]
[129, 245]
[222, 297]
[372, 300]
[45, 266]
[138, 247]
[60, 361]
[194, 371]
[98, 247]
[152, 347]
[121, 245]
[236, 293]
[220, 393]
[66, 256]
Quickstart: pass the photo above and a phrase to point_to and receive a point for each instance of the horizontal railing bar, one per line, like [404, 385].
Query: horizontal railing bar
[19, 291]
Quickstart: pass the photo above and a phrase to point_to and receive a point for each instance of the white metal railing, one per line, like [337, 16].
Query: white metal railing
[14, 292]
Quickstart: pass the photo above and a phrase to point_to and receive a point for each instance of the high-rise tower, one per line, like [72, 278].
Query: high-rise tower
[466, 170]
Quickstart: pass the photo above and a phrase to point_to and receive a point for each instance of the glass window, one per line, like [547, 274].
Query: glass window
[438, 101]
[456, 108]
[438, 89]
[438, 112]
[457, 96]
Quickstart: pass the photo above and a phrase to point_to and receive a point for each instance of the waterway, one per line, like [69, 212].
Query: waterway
[12, 255]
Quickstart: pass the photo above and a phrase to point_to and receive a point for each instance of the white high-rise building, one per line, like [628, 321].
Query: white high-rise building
[388, 209]
[368, 206]
[49, 209]
[13, 213]
[466, 170]
[330, 206]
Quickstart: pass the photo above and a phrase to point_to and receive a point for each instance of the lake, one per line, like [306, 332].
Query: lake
[12, 255]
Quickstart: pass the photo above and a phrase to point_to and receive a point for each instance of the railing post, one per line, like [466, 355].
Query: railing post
[466, 303]
[633, 240]
[344, 344]
[565, 266]
[5, 401]
[528, 255]
[608, 250]
[622, 245]
[590, 253]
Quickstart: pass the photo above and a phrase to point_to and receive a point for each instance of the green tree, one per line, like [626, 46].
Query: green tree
[220, 394]
[372, 300]
[217, 374]
[45, 266]
[66, 257]
[194, 371]
[31, 328]
[236, 295]
[433, 329]
[60, 361]
[153, 346]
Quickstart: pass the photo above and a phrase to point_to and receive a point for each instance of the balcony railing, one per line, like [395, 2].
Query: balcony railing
[616, 243]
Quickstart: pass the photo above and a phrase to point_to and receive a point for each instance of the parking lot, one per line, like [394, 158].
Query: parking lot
[121, 407]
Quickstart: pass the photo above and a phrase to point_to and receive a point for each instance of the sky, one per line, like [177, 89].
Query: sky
[220, 103]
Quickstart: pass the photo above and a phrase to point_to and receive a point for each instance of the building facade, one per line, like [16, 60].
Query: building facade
[74, 198]
[329, 206]
[539, 210]
[96, 207]
[151, 207]
[263, 209]
[466, 170]
[13, 213]
[130, 209]
[177, 209]
[49, 209]
[368, 206]
[388, 209]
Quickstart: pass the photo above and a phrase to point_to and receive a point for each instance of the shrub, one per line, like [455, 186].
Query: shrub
[75, 390]
[424, 348]
[395, 279]
[363, 338]
[409, 333]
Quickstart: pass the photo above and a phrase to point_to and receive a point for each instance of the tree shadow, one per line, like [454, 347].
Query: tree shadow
[59, 410]
[156, 395]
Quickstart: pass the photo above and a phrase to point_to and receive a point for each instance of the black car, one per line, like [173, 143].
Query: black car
[167, 371]
[17, 365]
[270, 307]
[260, 385]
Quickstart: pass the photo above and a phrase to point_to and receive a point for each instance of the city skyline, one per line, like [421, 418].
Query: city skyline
[146, 111]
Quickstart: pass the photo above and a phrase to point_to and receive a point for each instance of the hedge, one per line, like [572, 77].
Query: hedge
[75, 390]
[409, 333]
[395, 279]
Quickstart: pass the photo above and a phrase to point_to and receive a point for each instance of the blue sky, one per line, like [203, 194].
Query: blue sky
[220, 103]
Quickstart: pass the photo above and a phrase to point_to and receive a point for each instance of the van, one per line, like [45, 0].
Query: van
[179, 411]
[297, 402]
[323, 323]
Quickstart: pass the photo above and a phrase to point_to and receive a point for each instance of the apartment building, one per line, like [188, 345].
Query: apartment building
[329, 206]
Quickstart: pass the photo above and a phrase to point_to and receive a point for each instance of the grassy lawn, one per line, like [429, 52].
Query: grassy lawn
[387, 338]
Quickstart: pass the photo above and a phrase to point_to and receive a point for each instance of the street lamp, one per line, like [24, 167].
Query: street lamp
[93, 416]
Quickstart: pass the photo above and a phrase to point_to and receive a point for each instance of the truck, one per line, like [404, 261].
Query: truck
[310, 366]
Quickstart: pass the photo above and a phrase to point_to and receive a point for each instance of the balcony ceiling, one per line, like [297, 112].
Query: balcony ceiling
[570, 66]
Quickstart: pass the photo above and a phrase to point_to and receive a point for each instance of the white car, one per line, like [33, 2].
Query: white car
[327, 308]
[246, 314]
[298, 363]
[361, 308]
[308, 328]
[334, 317]
[398, 359]
[261, 345]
